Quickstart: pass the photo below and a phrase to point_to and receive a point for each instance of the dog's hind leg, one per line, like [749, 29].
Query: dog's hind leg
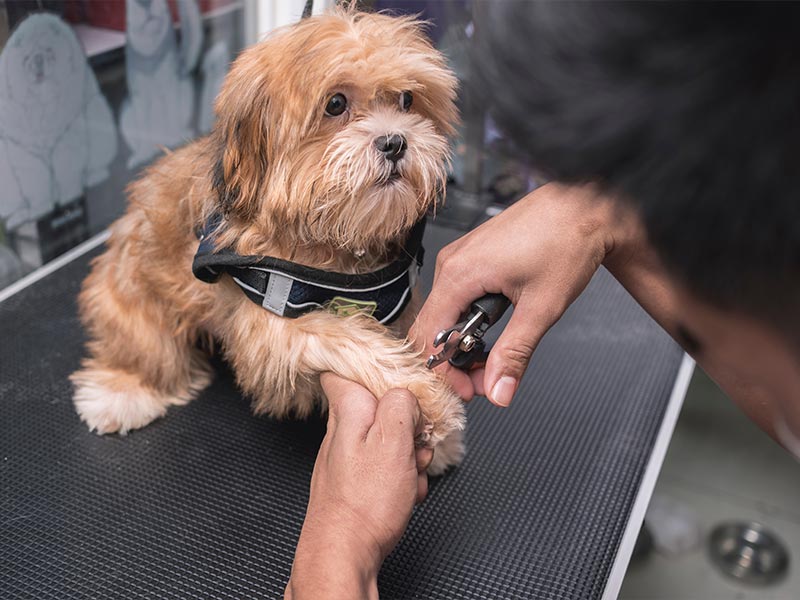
[141, 359]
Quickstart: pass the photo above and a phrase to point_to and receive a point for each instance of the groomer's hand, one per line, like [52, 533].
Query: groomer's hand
[367, 477]
[540, 253]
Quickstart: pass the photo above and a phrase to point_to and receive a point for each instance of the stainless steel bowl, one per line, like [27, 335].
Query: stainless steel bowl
[748, 552]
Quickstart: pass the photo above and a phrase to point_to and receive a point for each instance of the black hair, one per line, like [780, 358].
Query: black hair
[690, 111]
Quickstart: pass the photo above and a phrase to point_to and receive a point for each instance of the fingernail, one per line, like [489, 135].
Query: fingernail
[503, 390]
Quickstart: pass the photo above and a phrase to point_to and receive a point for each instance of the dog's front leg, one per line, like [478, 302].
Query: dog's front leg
[278, 362]
[142, 359]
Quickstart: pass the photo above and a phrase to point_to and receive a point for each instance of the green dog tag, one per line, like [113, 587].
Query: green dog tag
[344, 307]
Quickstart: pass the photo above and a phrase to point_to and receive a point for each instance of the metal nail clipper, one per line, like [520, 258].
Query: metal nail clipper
[463, 344]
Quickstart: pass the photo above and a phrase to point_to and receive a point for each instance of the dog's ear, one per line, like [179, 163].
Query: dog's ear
[242, 137]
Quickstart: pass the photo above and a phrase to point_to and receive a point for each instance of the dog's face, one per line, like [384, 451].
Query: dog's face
[333, 131]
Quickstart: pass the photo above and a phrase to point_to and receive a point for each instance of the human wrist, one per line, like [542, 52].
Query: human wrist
[626, 237]
[330, 563]
[588, 217]
[334, 574]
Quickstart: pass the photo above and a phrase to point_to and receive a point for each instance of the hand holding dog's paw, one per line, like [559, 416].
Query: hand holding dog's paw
[367, 477]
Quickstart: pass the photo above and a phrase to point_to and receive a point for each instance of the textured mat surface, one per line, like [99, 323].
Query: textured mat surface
[208, 502]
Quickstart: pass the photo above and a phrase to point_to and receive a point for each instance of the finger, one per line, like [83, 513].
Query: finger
[512, 352]
[422, 487]
[453, 291]
[476, 377]
[436, 314]
[424, 457]
[351, 407]
[396, 420]
[458, 380]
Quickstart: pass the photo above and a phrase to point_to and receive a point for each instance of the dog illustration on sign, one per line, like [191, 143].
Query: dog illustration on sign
[159, 109]
[57, 133]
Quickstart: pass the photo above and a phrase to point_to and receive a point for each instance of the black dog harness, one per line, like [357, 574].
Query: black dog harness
[291, 290]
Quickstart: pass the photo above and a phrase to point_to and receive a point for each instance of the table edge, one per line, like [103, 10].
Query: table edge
[54, 265]
[648, 483]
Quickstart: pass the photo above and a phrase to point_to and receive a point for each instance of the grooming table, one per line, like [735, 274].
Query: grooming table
[208, 502]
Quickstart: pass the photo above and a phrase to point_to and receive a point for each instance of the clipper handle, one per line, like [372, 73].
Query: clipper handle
[493, 306]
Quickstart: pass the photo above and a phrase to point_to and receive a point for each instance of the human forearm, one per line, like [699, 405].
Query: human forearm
[367, 476]
[637, 266]
[325, 568]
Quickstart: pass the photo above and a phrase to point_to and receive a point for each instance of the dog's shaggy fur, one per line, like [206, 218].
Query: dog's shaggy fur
[293, 183]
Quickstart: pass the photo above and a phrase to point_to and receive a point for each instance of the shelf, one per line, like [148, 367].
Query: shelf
[99, 40]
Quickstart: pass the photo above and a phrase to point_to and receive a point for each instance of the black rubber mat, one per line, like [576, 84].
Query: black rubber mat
[208, 502]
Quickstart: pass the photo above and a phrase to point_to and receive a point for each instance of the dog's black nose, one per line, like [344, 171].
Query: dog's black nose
[393, 146]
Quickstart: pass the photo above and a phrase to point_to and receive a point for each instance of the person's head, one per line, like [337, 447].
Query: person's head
[689, 112]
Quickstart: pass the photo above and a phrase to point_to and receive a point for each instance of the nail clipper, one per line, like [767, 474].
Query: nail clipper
[463, 344]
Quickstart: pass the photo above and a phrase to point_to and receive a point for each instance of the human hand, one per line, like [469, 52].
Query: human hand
[540, 253]
[366, 479]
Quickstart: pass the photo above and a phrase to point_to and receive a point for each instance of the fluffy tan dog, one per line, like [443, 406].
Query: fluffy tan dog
[329, 146]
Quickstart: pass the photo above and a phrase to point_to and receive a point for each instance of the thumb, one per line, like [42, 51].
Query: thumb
[351, 407]
[509, 357]
[396, 420]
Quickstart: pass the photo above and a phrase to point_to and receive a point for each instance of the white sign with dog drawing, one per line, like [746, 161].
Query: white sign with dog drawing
[57, 133]
[159, 109]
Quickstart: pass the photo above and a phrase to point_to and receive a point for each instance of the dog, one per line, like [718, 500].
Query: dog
[329, 148]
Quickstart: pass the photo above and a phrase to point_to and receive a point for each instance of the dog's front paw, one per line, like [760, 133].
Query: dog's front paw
[447, 453]
[444, 420]
[108, 411]
[116, 402]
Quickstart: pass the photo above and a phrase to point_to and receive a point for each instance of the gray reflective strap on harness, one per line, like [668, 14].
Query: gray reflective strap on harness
[291, 290]
[277, 294]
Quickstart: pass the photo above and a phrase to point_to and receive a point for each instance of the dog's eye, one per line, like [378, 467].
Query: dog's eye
[336, 105]
[405, 100]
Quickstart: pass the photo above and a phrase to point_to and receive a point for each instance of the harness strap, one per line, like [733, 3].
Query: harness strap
[291, 290]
